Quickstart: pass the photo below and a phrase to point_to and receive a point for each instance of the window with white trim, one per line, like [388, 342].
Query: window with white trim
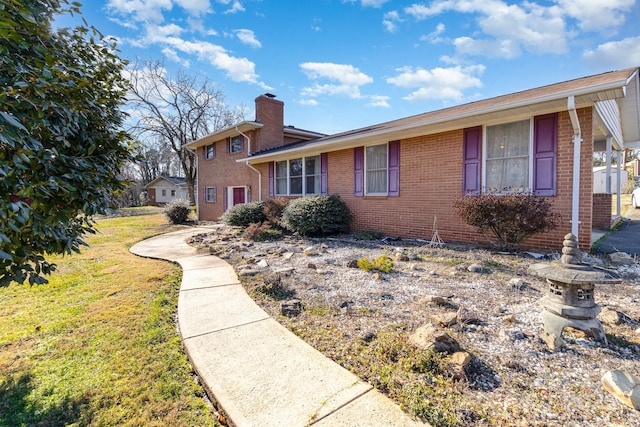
[210, 151]
[236, 145]
[297, 177]
[376, 169]
[210, 194]
[507, 159]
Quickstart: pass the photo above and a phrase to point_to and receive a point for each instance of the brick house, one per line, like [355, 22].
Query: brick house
[396, 177]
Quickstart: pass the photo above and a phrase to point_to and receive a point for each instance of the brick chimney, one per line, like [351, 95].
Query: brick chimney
[269, 112]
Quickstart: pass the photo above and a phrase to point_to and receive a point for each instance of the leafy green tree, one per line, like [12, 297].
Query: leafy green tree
[61, 138]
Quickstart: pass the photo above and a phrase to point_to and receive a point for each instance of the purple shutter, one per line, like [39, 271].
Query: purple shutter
[545, 143]
[394, 168]
[224, 199]
[272, 187]
[472, 152]
[228, 145]
[323, 173]
[358, 171]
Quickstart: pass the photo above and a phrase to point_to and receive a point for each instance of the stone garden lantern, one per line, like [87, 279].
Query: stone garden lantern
[570, 301]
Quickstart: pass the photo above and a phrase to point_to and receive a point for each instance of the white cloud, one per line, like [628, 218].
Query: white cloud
[348, 78]
[438, 83]
[509, 30]
[310, 102]
[391, 21]
[378, 101]
[368, 3]
[619, 54]
[195, 7]
[235, 8]
[248, 37]
[172, 55]
[141, 10]
[373, 3]
[597, 15]
[434, 36]
[237, 69]
[343, 73]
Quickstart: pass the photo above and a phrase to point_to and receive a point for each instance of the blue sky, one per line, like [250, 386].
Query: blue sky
[344, 64]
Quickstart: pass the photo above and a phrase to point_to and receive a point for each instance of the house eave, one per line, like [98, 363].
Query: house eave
[527, 107]
[233, 130]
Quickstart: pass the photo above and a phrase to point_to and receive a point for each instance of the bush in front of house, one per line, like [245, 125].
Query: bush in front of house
[177, 211]
[316, 216]
[261, 232]
[508, 219]
[243, 215]
[274, 208]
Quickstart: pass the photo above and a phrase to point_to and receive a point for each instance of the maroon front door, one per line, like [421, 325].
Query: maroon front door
[238, 195]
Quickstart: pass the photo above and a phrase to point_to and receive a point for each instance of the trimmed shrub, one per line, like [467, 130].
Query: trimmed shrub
[244, 214]
[273, 209]
[316, 216]
[506, 220]
[177, 211]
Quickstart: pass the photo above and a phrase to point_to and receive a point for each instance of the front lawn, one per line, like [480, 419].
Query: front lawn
[98, 345]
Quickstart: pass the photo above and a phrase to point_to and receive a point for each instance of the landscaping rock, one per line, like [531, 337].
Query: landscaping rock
[291, 308]
[352, 263]
[475, 268]
[465, 315]
[621, 258]
[457, 364]
[624, 386]
[428, 336]
[610, 316]
[446, 319]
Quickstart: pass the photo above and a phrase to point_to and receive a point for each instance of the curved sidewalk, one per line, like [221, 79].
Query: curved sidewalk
[259, 372]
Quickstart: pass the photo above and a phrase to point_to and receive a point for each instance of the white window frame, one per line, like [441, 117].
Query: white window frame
[241, 146]
[210, 195]
[529, 156]
[304, 176]
[366, 172]
[210, 154]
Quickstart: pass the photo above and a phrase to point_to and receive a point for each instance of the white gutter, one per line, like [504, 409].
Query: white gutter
[577, 140]
[251, 166]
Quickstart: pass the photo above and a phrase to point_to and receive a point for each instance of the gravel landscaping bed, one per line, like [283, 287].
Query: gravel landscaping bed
[485, 302]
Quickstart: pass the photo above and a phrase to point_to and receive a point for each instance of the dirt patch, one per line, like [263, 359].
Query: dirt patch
[363, 320]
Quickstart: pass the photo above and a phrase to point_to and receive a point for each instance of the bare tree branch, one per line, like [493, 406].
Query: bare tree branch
[176, 111]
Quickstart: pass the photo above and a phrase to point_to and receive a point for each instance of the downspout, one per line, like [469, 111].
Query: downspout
[577, 140]
[251, 166]
[196, 196]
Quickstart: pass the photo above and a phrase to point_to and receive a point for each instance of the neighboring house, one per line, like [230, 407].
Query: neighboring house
[396, 177]
[164, 189]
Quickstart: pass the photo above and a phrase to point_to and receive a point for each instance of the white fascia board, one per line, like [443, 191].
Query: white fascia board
[221, 134]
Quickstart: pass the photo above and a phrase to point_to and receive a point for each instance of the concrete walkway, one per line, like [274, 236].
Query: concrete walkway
[259, 372]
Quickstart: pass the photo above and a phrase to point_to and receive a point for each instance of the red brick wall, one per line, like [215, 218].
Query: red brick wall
[270, 112]
[431, 177]
[602, 211]
[222, 171]
[430, 180]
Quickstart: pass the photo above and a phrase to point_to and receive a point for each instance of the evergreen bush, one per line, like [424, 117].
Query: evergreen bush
[177, 211]
[316, 216]
[243, 215]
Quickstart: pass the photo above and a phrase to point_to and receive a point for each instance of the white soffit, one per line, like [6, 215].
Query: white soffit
[630, 113]
[609, 114]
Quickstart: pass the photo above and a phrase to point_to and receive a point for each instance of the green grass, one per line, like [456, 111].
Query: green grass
[98, 344]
